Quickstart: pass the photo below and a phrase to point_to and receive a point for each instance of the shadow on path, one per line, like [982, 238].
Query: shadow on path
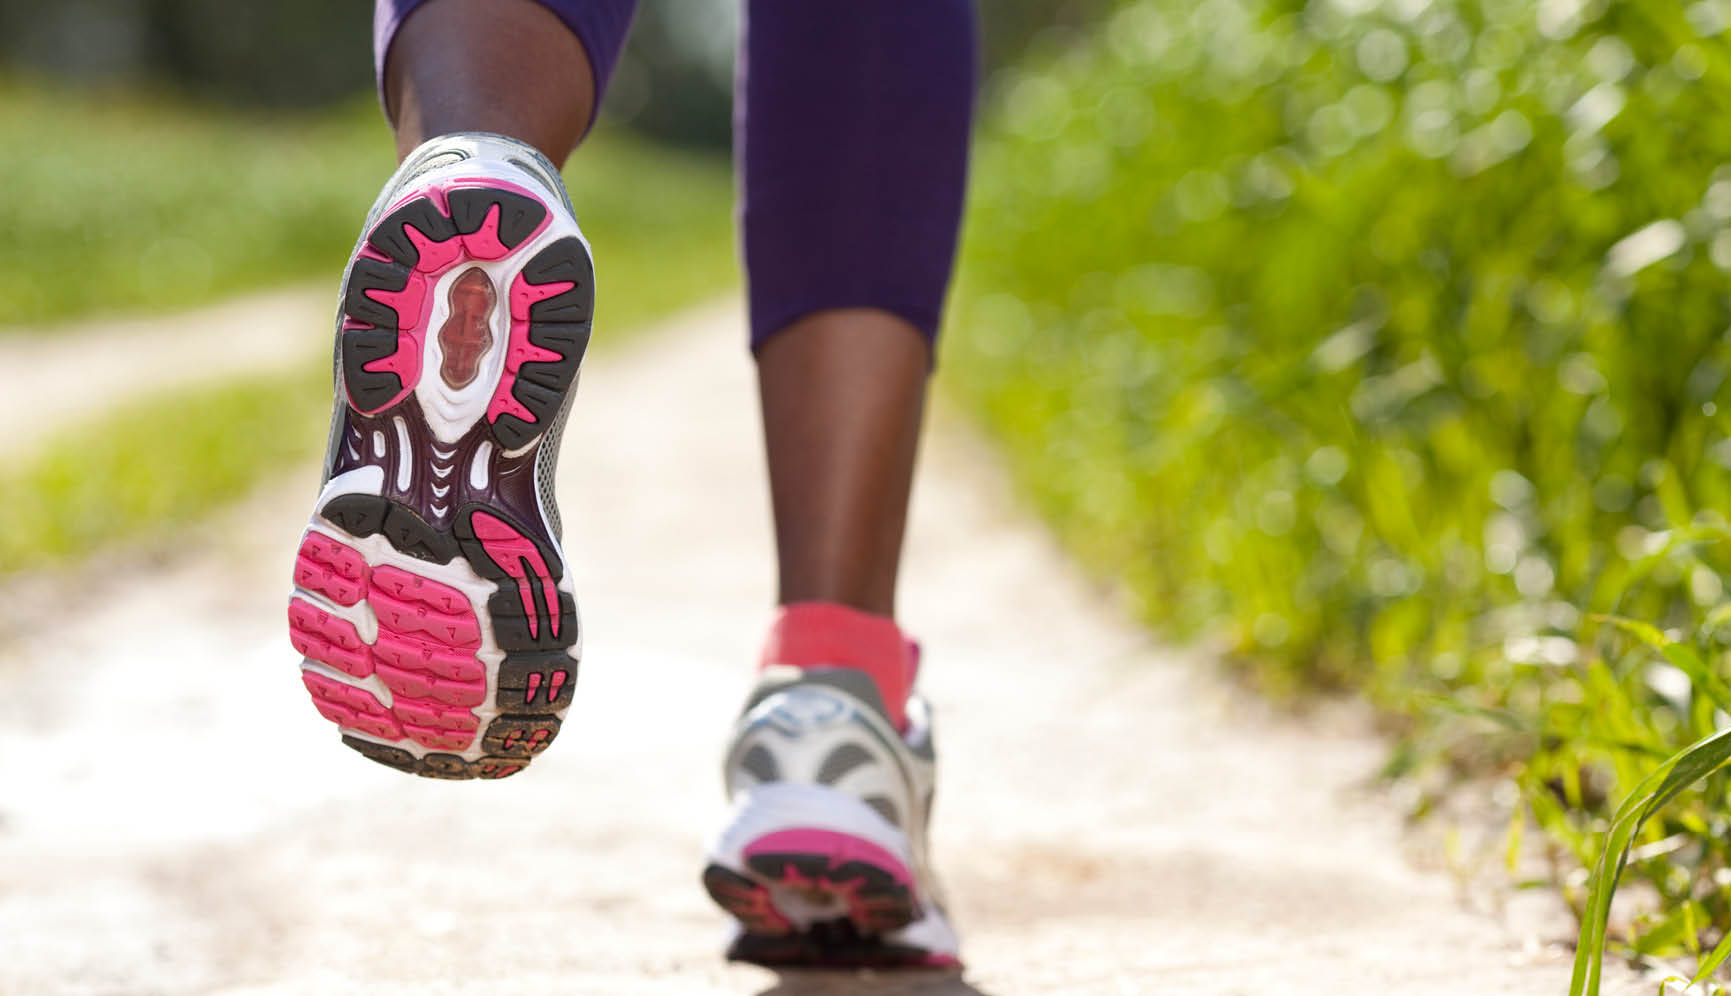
[818, 983]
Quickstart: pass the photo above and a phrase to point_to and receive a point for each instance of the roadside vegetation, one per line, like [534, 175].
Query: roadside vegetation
[125, 203]
[128, 204]
[1390, 340]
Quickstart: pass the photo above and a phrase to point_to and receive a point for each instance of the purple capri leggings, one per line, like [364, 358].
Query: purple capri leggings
[851, 130]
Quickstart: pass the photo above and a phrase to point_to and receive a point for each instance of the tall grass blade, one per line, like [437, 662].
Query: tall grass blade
[1687, 767]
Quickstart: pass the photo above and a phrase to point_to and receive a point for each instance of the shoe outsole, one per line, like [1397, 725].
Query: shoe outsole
[829, 870]
[430, 616]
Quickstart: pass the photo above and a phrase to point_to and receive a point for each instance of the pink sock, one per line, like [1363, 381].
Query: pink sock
[818, 635]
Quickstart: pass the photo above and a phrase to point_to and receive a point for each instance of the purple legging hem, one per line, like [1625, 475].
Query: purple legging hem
[601, 25]
[852, 123]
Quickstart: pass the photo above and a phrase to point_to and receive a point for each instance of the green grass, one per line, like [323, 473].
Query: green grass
[159, 463]
[108, 179]
[1389, 340]
[119, 204]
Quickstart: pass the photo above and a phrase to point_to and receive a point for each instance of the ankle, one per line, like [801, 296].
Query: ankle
[816, 636]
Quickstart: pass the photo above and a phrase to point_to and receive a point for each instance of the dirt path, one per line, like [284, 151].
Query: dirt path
[174, 818]
[48, 378]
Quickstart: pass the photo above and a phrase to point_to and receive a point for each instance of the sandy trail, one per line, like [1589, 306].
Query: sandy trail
[174, 818]
[50, 378]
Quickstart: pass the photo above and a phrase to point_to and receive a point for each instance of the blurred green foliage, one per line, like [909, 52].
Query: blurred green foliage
[247, 54]
[158, 463]
[130, 203]
[1391, 338]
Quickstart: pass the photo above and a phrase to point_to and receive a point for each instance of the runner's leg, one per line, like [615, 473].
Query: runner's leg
[852, 139]
[534, 71]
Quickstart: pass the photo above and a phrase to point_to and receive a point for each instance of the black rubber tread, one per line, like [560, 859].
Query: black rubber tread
[519, 216]
[513, 736]
[560, 324]
[357, 515]
[830, 946]
[389, 239]
[525, 721]
[448, 766]
[510, 621]
[411, 534]
[833, 944]
[511, 625]
[395, 757]
[369, 390]
[724, 885]
[513, 433]
[445, 766]
[509, 738]
[514, 682]
[368, 274]
[875, 884]
[368, 515]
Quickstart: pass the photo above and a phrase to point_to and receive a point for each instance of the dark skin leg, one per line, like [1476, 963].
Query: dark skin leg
[843, 390]
[505, 66]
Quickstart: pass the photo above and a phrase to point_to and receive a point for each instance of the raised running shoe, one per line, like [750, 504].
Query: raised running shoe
[824, 860]
[431, 602]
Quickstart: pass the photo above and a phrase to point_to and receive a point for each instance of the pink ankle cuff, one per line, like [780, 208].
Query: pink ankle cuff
[817, 635]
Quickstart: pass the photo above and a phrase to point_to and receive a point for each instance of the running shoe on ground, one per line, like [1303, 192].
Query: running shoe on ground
[823, 861]
[431, 599]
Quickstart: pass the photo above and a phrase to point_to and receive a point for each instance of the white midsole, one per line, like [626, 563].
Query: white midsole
[766, 809]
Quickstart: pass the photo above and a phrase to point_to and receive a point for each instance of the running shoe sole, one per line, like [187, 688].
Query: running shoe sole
[815, 896]
[431, 602]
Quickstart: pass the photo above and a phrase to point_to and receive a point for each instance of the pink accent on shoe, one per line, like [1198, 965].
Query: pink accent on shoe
[512, 550]
[405, 362]
[351, 707]
[331, 569]
[406, 587]
[317, 635]
[411, 654]
[412, 302]
[436, 257]
[486, 238]
[534, 683]
[752, 906]
[838, 847]
[422, 686]
[431, 714]
[436, 739]
[483, 242]
[520, 351]
[424, 653]
[525, 295]
[450, 629]
[819, 635]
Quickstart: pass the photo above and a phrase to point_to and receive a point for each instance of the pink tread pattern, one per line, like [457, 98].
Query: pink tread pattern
[751, 905]
[836, 872]
[331, 569]
[520, 350]
[837, 846]
[424, 652]
[412, 303]
[518, 556]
